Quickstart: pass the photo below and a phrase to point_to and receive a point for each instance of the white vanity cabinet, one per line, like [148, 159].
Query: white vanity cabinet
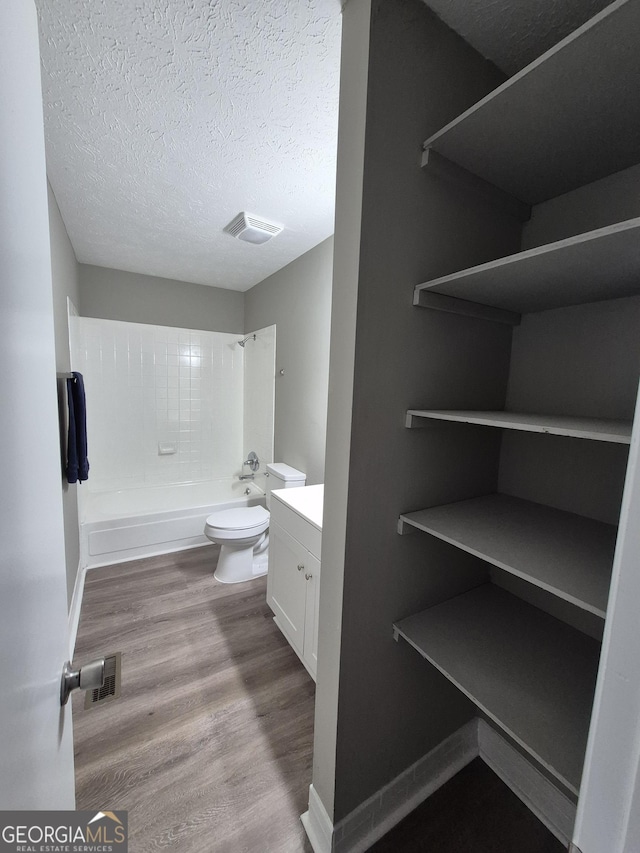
[295, 534]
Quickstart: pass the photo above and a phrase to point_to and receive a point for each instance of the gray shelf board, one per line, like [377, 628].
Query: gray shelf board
[530, 673]
[589, 267]
[616, 432]
[567, 119]
[568, 555]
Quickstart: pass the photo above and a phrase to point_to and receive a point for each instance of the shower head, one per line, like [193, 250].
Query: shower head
[248, 338]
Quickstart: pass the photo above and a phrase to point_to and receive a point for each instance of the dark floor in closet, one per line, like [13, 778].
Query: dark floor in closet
[473, 813]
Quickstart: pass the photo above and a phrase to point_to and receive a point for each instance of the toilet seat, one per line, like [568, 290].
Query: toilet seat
[242, 536]
[242, 533]
[237, 524]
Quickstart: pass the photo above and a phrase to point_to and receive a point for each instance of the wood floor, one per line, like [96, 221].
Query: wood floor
[209, 747]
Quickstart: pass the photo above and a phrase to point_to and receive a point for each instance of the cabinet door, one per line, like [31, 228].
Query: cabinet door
[286, 584]
[312, 576]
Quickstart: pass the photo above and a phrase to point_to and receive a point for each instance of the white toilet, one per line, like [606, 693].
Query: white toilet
[242, 533]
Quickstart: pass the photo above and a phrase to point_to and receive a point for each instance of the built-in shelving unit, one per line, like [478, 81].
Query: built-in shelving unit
[567, 119]
[530, 673]
[601, 264]
[566, 554]
[594, 429]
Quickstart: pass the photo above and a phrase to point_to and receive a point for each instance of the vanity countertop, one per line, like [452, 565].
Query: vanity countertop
[306, 501]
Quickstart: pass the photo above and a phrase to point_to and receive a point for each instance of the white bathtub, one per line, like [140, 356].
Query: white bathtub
[134, 523]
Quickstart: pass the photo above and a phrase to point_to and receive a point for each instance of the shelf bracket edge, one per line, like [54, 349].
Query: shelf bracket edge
[412, 421]
[425, 298]
[405, 529]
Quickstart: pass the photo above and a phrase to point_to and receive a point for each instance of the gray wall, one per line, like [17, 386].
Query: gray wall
[135, 298]
[298, 300]
[392, 707]
[64, 271]
[351, 129]
[595, 205]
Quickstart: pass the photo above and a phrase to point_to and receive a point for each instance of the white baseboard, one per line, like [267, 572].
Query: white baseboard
[556, 811]
[74, 609]
[387, 807]
[381, 812]
[317, 824]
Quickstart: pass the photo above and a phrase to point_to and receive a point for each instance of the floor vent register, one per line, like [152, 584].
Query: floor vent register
[110, 690]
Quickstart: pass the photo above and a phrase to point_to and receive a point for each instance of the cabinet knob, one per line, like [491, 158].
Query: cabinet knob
[309, 576]
[300, 566]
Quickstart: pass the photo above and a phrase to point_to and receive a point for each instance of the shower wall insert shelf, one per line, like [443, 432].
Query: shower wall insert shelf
[563, 122]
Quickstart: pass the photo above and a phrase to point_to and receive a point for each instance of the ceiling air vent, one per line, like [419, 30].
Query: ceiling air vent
[252, 230]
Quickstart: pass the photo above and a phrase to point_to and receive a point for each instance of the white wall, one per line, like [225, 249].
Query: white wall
[297, 299]
[64, 276]
[150, 385]
[65, 281]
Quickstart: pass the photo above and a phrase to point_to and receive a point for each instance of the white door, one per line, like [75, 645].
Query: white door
[608, 818]
[36, 759]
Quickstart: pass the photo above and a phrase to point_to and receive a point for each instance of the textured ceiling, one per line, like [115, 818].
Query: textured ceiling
[512, 33]
[166, 118]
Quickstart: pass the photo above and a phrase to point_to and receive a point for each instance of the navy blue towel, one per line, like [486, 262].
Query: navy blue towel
[77, 461]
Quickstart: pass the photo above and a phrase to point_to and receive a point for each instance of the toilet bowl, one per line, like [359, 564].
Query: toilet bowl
[242, 532]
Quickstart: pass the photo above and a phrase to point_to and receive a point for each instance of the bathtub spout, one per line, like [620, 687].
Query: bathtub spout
[246, 476]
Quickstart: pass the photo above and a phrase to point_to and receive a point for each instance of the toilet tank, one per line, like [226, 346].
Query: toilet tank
[282, 476]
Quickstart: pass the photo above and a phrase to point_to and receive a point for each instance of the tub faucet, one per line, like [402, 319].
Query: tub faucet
[252, 461]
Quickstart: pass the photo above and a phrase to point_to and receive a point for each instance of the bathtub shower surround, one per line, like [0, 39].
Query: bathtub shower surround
[164, 405]
[167, 405]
